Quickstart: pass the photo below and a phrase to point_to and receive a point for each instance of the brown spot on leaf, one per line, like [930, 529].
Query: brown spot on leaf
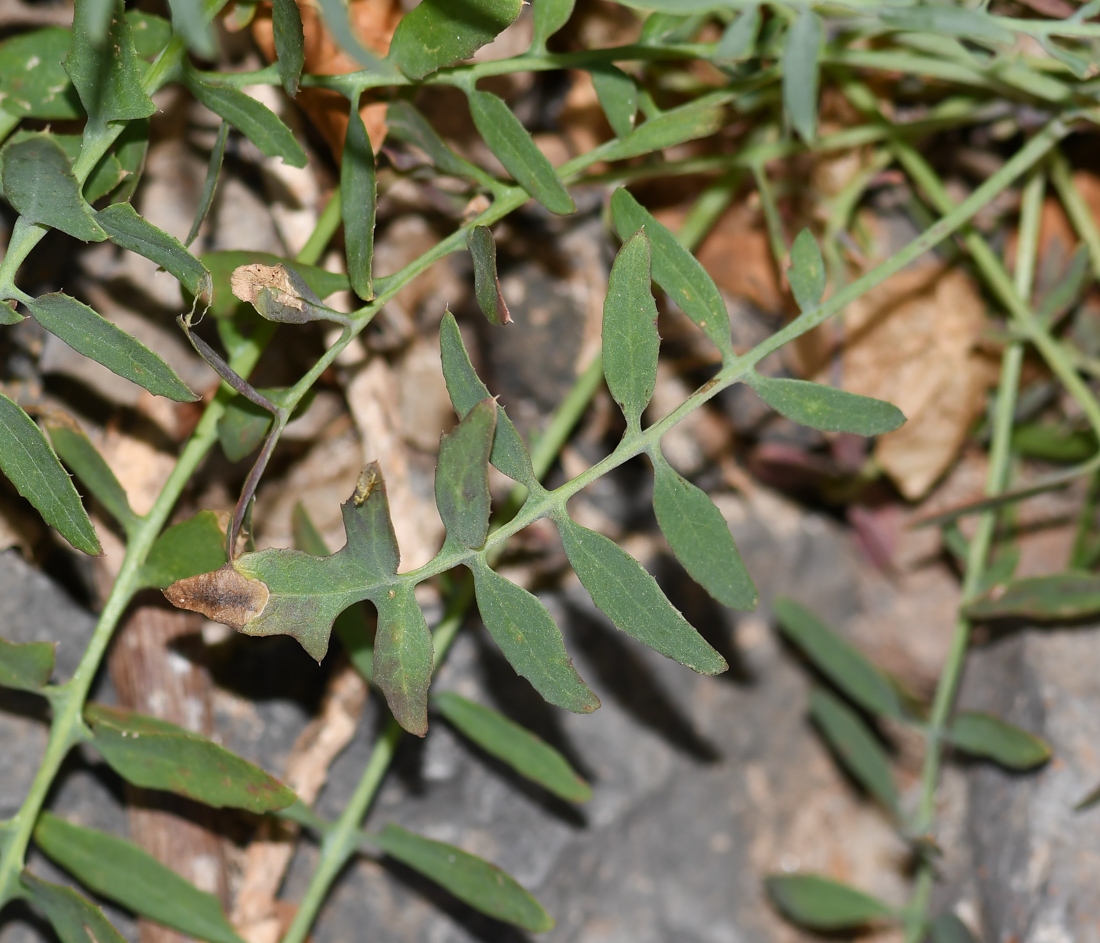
[223, 595]
[369, 479]
[247, 281]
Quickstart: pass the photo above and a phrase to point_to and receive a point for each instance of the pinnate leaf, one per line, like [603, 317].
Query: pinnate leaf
[676, 270]
[124, 227]
[286, 21]
[700, 538]
[801, 53]
[483, 251]
[74, 919]
[513, 147]
[39, 184]
[823, 904]
[807, 271]
[358, 191]
[1072, 595]
[528, 754]
[75, 449]
[403, 657]
[33, 80]
[155, 754]
[466, 390]
[618, 97]
[842, 664]
[632, 600]
[191, 547]
[528, 637]
[462, 476]
[675, 126]
[827, 408]
[630, 340]
[26, 667]
[857, 748]
[121, 871]
[990, 737]
[31, 465]
[95, 337]
[471, 879]
[437, 33]
[549, 17]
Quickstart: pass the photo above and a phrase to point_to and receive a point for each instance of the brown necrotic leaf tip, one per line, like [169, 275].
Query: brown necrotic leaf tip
[223, 595]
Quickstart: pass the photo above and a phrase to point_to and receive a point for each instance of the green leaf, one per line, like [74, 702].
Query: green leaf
[123, 872]
[947, 928]
[801, 53]
[528, 754]
[466, 390]
[630, 340]
[973, 25]
[351, 626]
[807, 271]
[618, 97]
[106, 74]
[30, 464]
[335, 13]
[1061, 596]
[155, 754]
[75, 449]
[95, 337]
[288, 592]
[130, 152]
[403, 657]
[33, 80]
[255, 121]
[739, 39]
[151, 33]
[549, 17]
[105, 176]
[222, 265]
[188, 20]
[1054, 443]
[209, 185]
[26, 667]
[513, 147]
[483, 251]
[39, 184]
[8, 314]
[700, 538]
[407, 124]
[73, 919]
[632, 600]
[437, 33]
[526, 634]
[827, 408]
[822, 904]
[842, 664]
[462, 476]
[675, 126]
[243, 426]
[857, 748]
[471, 879]
[124, 227]
[357, 203]
[676, 270]
[987, 736]
[191, 547]
[290, 41]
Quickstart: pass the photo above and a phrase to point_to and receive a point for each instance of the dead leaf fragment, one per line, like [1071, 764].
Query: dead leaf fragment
[247, 281]
[223, 595]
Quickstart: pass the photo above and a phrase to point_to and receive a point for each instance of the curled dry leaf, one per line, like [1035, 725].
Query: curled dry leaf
[374, 21]
[223, 595]
[248, 281]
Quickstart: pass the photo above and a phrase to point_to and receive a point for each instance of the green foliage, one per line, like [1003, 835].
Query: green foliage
[987, 736]
[801, 53]
[191, 547]
[827, 408]
[26, 667]
[462, 476]
[39, 184]
[33, 80]
[439, 32]
[857, 747]
[821, 904]
[1058, 597]
[483, 251]
[618, 97]
[289, 43]
[75, 449]
[74, 919]
[403, 657]
[358, 196]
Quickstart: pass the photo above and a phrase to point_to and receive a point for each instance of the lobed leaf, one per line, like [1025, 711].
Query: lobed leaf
[549, 16]
[675, 126]
[800, 67]
[990, 737]
[827, 408]
[437, 33]
[407, 124]
[632, 600]
[842, 664]
[532, 643]
[254, 120]
[74, 919]
[191, 547]
[807, 271]
[698, 535]
[739, 39]
[190, 23]
[822, 904]
[462, 475]
[121, 871]
[75, 449]
[471, 879]
[528, 754]
[286, 21]
[40, 186]
[513, 147]
[124, 227]
[97, 338]
[403, 657]
[483, 251]
[33, 80]
[857, 748]
[155, 754]
[618, 97]
[31, 465]
[1061, 596]
[466, 390]
[358, 193]
[676, 270]
[630, 340]
[26, 667]
[104, 68]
